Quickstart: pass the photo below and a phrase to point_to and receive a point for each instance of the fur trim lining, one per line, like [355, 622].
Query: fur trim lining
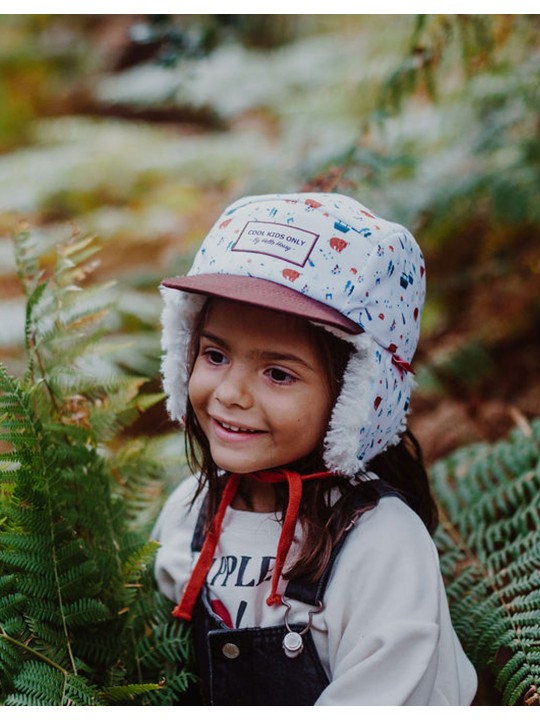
[178, 318]
[371, 411]
[352, 410]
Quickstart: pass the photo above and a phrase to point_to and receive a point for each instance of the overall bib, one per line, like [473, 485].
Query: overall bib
[250, 666]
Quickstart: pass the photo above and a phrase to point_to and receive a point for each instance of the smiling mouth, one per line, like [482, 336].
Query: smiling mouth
[236, 428]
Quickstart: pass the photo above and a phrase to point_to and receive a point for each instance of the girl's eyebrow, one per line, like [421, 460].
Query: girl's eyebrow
[214, 338]
[271, 356]
[267, 355]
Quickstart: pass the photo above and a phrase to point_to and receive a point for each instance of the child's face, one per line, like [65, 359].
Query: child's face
[258, 388]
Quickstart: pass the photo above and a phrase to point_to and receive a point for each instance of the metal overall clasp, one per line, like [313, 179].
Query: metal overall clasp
[293, 643]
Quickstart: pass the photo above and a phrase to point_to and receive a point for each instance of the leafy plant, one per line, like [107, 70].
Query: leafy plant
[489, 540]
[80, 620]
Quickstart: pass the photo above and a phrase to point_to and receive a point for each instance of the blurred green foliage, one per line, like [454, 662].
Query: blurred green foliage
[40, 58]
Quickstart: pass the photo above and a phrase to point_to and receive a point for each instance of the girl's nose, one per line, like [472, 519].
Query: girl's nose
[234, 390]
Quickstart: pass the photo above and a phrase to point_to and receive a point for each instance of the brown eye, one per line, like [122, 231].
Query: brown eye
[280, 377]
[215, 357]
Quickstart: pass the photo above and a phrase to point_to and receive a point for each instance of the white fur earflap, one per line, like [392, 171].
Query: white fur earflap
[178, 319]
[371, 411]
[352, 411]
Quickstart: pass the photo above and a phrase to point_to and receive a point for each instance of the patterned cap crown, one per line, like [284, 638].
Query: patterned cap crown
[331, 248]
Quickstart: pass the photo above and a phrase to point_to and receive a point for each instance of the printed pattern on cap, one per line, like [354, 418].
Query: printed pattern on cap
[331, 248]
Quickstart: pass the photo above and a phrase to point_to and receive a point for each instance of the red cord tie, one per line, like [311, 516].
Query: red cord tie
[402, 365]
[184, 609]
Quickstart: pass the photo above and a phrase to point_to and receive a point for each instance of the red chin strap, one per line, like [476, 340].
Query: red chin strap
[184, 609]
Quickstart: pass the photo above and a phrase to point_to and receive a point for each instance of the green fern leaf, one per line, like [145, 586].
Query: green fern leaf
[167, 643]
[489, 541]
[122, 693]
[39, 684]
[85, 611]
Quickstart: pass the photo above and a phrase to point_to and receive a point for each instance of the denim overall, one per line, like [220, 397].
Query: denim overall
[249, 666]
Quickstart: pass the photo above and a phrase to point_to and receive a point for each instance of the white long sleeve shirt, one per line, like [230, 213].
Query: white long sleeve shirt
[384, 635]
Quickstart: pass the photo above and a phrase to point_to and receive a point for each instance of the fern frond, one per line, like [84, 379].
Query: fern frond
[19, 425]
[139, 560]
[74, 566]
[85, 611]
[147, 470]
[174, 687]
[47, 639]
[9, 604]
[84, 574]
[123, 694]
[167, 643]
[39, 684]
[489, 541]
[9, 662]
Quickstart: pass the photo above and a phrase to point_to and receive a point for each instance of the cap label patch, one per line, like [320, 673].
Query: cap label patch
[285, 242]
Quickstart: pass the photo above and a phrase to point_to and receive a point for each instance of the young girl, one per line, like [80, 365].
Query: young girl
[300, 549]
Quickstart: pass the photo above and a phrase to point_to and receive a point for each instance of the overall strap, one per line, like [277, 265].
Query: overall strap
[312, 592]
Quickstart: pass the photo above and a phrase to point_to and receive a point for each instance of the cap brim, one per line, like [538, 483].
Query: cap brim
[264, 294]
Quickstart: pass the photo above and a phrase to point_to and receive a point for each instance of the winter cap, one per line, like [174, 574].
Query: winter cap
[327, 258]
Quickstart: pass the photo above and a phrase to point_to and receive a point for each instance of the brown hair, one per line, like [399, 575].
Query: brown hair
[323, 520]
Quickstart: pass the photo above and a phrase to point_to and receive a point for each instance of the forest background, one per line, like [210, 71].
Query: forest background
[138, 130]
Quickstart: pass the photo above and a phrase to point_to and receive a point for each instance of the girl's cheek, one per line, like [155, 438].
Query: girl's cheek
[194, 384]
[202, 383]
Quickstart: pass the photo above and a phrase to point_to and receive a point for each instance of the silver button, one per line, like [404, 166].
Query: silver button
[230, 650]
[293, 644]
